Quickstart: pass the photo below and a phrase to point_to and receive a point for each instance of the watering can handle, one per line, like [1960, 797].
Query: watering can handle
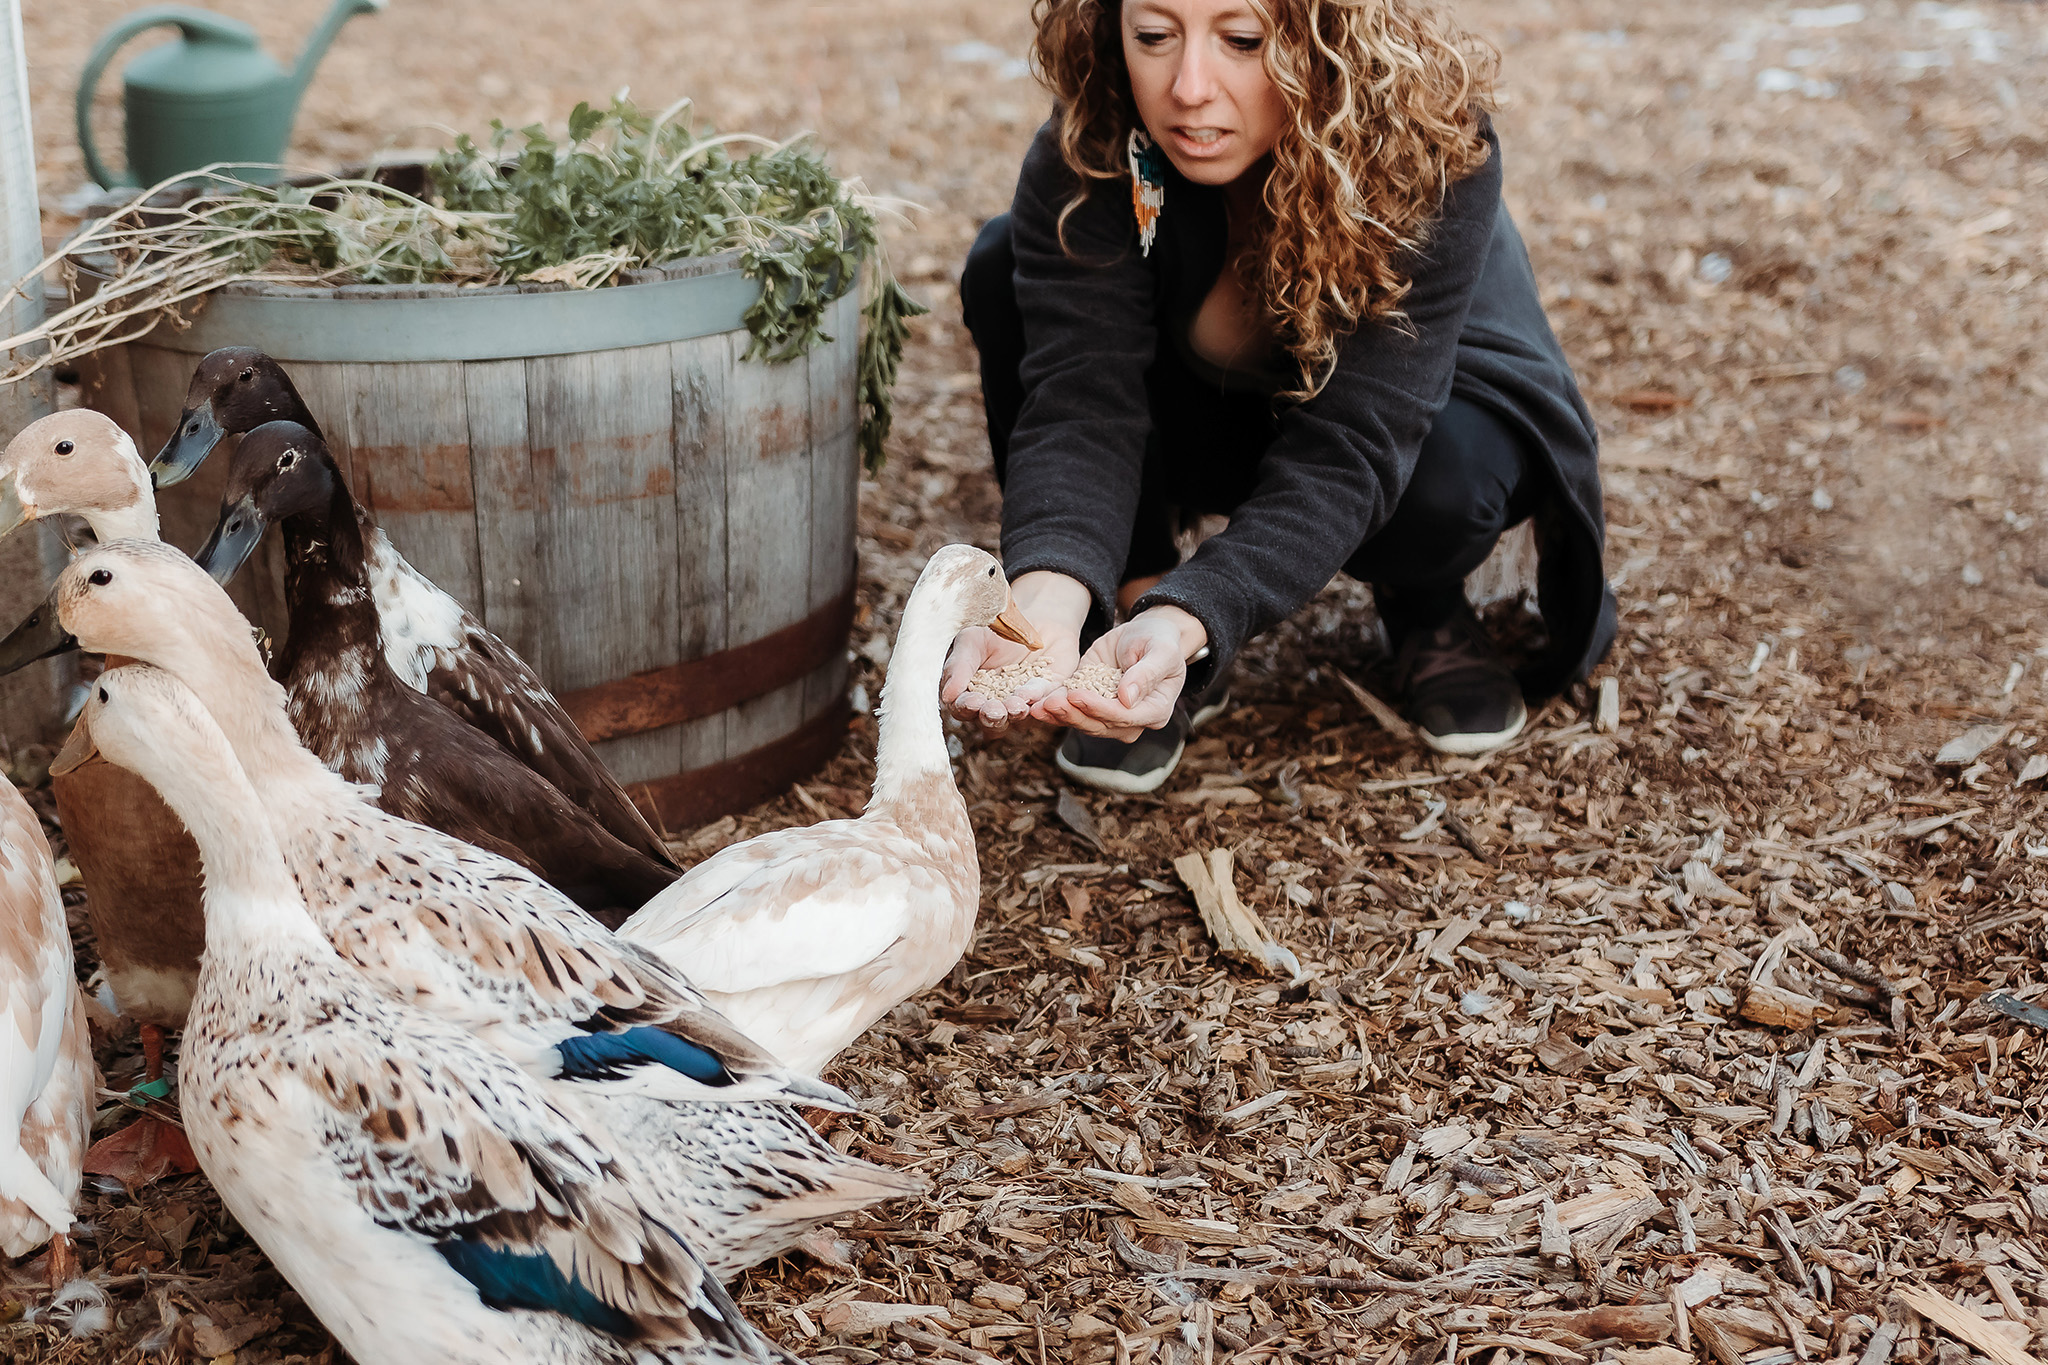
[196, 23]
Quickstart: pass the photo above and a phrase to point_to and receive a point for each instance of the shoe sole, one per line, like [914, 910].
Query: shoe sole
[1472, 745]
[1116, 779]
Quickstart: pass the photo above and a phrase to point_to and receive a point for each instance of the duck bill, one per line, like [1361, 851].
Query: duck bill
[40, 636]
[196, 436]
[78, 751]
[1012, 624]
[234, 539]
[13, 511]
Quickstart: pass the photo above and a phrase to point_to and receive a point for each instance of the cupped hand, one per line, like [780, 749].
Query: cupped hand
[1056, 606]
[1151, 649]
[978, 648]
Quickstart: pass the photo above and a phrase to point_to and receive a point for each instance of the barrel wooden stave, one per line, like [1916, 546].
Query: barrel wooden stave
[604, 513]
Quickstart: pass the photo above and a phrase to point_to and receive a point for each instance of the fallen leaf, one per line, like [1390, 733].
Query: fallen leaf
[146, 1151]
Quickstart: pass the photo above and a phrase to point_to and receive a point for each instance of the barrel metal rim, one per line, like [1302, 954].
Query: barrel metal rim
[386, 324]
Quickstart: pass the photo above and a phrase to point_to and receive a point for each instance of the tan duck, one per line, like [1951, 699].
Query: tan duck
[47, 1079]
[141, 869]
[806, 937]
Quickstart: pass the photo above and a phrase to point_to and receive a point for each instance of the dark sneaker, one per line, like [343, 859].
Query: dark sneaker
[1143, 764]
[1461, 698]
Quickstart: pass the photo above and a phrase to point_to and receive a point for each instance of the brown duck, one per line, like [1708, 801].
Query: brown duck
[350, 707]
[431, 643]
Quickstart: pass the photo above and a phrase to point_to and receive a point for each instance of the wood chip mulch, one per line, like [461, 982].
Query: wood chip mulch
[1705, 1022]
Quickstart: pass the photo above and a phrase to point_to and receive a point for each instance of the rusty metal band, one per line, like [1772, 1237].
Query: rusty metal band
[674, 693]
[695, 798]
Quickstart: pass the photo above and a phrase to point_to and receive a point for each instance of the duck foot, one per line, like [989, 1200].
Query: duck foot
[152, 1051]
[63, 1262]
[146, 1151]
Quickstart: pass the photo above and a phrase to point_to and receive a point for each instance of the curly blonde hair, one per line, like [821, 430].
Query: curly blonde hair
[1384, 103]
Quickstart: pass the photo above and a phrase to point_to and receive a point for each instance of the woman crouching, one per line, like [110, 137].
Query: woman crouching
[1258, 266]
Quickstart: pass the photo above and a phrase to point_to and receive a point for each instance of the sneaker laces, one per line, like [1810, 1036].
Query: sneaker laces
[1458, 646]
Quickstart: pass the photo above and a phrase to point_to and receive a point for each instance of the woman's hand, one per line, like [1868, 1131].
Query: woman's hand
[1058, 607]
[1152, 650]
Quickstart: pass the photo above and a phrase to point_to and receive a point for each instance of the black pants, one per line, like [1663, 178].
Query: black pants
[1472, 481]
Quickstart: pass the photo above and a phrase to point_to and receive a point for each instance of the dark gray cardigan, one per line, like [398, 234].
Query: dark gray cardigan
[1339, 462]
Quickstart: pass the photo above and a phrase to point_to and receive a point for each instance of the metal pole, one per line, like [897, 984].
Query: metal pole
[31, 557]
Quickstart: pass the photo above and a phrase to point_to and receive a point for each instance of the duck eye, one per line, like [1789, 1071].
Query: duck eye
[65, 447]
[245, 376]
[103, 695]
[100, 577]
[287, 460]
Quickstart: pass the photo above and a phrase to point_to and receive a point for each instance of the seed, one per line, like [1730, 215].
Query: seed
[1100, 679]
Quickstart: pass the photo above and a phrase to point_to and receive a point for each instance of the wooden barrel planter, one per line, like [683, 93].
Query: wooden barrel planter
[663, 529]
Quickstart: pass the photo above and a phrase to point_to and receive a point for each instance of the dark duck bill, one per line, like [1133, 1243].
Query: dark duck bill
[281, 470]
[234, 390]
[38, 637]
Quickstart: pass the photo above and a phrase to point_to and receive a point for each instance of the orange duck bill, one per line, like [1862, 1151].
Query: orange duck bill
[1012, 624]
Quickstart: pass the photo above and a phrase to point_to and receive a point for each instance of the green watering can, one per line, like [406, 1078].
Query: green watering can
[214, 95]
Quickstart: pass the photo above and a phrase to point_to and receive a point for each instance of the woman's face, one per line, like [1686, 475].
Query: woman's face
[1199, 76]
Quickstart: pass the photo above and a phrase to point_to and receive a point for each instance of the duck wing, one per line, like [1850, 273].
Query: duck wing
[449, 776]
[827, 900]
[438, 648]
[41, 1039]
[503, 938]
[441, 1137]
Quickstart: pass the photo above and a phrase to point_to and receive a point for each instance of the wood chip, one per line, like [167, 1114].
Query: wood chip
[1970, 745]
[1239, 932]
[1995, 1340]
[1386, 716]
[1607, 712]
[1775, 1008]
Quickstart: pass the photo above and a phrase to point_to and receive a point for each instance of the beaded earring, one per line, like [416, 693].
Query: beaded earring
[1148, 186]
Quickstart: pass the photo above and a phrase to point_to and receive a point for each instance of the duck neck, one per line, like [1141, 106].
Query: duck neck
[327, 587]
[229, 680]
[911, 742]
[250, 895]
[136, 521]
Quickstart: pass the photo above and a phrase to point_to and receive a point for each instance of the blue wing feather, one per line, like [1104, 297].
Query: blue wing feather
[607, 1056]
[514, 1279]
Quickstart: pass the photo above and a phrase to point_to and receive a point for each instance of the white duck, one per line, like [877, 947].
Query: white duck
[486, 945]
[140, 869]
[806, 937]
[429, 1199]
[47, 1077]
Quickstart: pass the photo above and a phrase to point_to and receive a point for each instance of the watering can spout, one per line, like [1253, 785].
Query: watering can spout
[323, 38]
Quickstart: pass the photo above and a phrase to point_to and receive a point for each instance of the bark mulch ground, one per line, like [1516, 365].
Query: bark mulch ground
[1700, 1023]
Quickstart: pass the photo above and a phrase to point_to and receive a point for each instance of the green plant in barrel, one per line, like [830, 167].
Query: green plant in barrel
[626, 190]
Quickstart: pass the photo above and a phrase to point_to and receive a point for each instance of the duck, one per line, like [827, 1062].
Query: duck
[481, 942]
[140, 868]
[50, 1079]
[423, 760]
[428, 1199]
[805, 937]
[433, 644]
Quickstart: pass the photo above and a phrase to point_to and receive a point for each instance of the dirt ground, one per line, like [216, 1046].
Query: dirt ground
[1662, 1040]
